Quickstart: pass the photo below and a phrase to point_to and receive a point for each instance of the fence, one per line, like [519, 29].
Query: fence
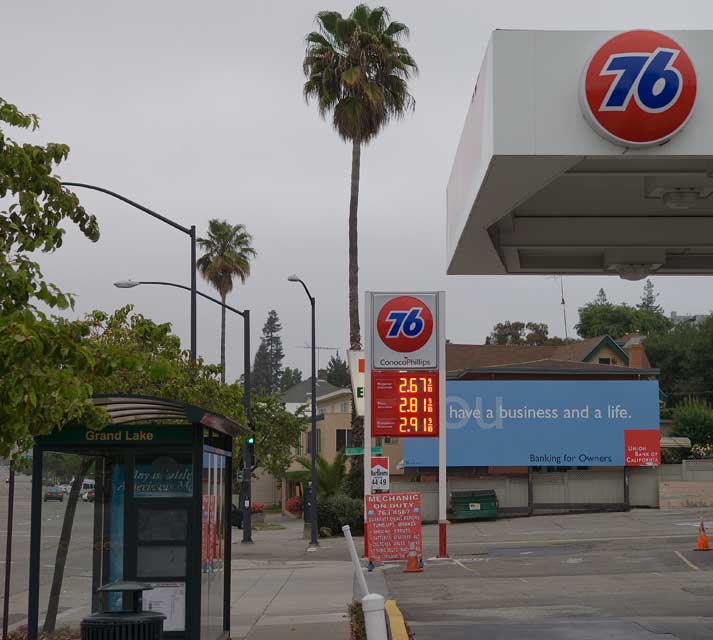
[546, 492]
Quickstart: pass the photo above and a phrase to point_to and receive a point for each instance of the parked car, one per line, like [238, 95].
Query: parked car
[236, 517]
[88, 496]
[65, 488]
[53, 493]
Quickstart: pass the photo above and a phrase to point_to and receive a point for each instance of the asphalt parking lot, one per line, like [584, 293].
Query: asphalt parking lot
[617, 576]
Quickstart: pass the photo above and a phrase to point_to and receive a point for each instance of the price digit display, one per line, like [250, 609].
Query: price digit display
[404, 404]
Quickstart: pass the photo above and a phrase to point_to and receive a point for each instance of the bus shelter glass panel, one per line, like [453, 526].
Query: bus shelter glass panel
[212, 544]
[82, 530]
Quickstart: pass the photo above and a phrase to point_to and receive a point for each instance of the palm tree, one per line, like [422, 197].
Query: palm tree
[357, 71]
[330, 476]
[227, 254]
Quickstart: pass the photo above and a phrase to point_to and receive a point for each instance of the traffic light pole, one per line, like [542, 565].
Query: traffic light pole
[247, 447]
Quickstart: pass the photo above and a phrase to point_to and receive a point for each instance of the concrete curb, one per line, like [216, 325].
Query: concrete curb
[395, 621]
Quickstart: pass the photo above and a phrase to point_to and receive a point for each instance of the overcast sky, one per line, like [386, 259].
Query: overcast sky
[195, 110]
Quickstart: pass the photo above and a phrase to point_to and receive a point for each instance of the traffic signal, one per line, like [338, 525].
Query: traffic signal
[251, 440]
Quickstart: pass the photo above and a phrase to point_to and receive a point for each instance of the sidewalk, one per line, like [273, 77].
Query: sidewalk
[282, 590]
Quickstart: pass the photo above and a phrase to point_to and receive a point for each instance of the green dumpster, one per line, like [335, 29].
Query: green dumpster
[473, 505]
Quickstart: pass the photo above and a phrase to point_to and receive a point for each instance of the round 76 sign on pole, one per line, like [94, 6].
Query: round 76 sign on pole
[405, 378]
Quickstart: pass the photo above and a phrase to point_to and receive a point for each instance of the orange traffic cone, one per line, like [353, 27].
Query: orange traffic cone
[702, 538]
[412, 565]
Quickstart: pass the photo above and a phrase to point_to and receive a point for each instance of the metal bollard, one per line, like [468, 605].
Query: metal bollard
[358, 573]
[374, 617]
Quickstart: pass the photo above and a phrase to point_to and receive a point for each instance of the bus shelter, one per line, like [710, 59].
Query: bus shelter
[158, 513]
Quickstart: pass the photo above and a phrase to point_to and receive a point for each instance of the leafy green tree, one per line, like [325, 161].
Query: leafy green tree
[601, 317]
[648, 299]
[338, 372]
[358, 71]
[290, 377]
[42, 358]
[331, 476]
[693, 419]
[278, 434]
[267, 367]
[533, 334]
[228, 252]
[685, 357]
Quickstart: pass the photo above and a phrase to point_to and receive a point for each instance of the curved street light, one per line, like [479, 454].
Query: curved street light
[190, 231]
[313, 448]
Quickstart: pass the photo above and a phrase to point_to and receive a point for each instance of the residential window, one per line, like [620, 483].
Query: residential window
[604, 360]
[344, 439]
[345, 407]
[308, 436]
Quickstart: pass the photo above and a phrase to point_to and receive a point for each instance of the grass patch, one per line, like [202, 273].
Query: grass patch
[356, 615]
[267, 526]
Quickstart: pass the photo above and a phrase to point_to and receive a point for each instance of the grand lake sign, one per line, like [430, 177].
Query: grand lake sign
[144, 434]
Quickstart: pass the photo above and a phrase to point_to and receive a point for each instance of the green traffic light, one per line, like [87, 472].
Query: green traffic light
[251, 439]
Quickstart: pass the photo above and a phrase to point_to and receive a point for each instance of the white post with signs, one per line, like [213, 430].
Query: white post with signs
[405, 379]
[367, 406]
[442, 464]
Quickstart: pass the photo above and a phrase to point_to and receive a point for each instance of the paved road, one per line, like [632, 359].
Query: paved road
[77, 576]
[632, 576]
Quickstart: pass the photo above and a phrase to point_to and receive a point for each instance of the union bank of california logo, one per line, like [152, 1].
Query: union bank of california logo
[638, 89]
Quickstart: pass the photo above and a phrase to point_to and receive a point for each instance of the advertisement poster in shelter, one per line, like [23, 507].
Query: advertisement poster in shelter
[394, 521]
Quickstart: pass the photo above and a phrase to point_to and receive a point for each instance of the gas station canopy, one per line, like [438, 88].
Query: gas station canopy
[586, 152]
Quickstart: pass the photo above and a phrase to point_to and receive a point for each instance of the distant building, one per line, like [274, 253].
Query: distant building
[695, 319]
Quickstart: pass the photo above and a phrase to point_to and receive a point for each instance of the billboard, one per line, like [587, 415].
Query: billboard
[546, 423]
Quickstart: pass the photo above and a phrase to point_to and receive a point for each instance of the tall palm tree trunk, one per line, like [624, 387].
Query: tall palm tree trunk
[354, 330]
[222, 339]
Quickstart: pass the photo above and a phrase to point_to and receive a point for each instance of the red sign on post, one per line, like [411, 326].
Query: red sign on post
[394, 521]
[404, 404]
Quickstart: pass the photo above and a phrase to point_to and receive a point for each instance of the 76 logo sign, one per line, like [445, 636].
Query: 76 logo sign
[404, 324]
[638, 89]
[407, 323]
[650, 78]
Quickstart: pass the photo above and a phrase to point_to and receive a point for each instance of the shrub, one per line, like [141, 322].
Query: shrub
[693, 419]
[295, 505]
[257, 507]
[336, 511]
[702, 451]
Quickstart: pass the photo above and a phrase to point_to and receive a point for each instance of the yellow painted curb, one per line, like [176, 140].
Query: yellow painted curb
[397, 625]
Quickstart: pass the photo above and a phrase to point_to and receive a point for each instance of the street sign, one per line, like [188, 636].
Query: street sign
[638, 89]
[359, 451]
[404, 331]
[380, 473]
[394, 522]
[404, 404]
[356, 369]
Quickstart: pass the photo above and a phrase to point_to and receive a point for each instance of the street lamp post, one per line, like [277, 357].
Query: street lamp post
[247, 390]
[190, 231]
[314, 539]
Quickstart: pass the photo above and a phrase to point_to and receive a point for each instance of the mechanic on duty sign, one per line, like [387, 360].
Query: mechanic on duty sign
[394, 522]
[404, 331]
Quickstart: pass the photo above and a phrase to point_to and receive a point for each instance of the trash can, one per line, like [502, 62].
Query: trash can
[473, 505]
[130, 624]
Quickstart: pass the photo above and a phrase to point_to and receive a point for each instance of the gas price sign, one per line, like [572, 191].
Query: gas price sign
[404, 404]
